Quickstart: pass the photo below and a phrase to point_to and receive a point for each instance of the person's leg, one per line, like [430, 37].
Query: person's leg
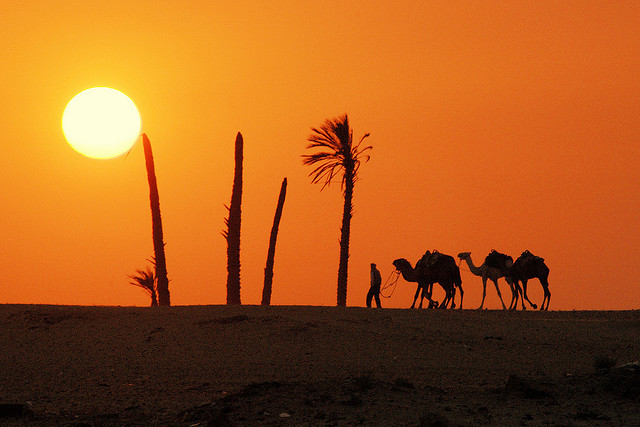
[369, 296]
[378, 301]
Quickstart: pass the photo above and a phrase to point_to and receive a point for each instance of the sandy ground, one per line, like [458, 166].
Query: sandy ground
[253, 365]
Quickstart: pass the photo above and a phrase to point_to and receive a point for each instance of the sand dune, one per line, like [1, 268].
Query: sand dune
[254, 365]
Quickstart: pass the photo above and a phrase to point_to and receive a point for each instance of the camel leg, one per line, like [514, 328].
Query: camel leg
[495, 282]
[461, 296]
[547, 294]
[484, 291]
[524, 290]
[415, 298]
[453, 297]
[514, 296]
[422, 296]
[426, 293]
[450, 297]
[514, 300]
[518, 292]
[447, 297]
[432, 303]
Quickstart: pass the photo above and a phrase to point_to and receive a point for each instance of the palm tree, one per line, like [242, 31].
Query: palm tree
[146, 279]
[156, 224]
[338, 156]
[268, 270]
[232, 233]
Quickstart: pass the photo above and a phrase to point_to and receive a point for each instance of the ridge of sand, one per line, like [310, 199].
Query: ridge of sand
[308, 365]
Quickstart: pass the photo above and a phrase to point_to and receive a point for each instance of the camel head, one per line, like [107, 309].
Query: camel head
[464, 255]
[402, 264]
[404, 267]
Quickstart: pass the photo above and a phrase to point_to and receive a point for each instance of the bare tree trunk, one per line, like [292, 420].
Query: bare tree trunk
[154, 298]
[233, 229]
[268, 270]
[156, 223]
[345, 231]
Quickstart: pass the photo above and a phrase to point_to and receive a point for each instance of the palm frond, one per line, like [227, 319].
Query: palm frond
[337, 153]
[323, 138]
[144, 279]
[334, 140]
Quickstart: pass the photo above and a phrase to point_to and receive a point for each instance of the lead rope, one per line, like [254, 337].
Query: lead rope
[388, 285]
[461, 268]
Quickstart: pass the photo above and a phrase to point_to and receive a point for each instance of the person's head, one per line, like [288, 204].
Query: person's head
[373, 266]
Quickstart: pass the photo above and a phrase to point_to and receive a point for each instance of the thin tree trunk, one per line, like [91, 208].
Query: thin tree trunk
[156, 223]
[345, 231]
[268, 270]
[233, 229]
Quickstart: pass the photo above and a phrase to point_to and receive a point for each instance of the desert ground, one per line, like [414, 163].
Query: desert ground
[308, 365]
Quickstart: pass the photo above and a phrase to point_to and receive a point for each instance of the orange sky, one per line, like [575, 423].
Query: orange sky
[506, 125]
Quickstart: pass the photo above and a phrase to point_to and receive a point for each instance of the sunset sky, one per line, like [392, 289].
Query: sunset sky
[495, 125]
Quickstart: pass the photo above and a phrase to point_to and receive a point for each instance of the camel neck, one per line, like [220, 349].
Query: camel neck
[408, 273]
[475, 270]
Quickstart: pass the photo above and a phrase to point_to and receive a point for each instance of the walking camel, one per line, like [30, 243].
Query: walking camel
[487, 271]
[432, 268]
[528, 266]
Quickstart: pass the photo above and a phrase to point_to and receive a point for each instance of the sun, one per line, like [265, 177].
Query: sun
[101, 123]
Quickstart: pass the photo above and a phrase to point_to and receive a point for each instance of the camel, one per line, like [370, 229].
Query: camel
[410, 275]
[487, 272]
[430, 269]
[529, 266]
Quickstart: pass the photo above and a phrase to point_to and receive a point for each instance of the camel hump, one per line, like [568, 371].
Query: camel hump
[527, 257]
[424, 260]
[430, 259]
[498, 260]
[438, 258]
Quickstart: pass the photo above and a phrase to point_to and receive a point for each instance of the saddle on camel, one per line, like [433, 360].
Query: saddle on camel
[498, 260]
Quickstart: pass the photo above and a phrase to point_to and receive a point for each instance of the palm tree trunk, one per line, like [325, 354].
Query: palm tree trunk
[268, 270]
[345, 232]
[156, 223]
[233, 229]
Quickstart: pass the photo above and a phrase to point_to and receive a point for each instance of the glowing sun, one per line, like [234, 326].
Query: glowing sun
[101, 123]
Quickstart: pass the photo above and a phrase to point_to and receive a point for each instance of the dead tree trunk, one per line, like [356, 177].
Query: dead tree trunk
[268, 270]
[156, 224]
[232, 234]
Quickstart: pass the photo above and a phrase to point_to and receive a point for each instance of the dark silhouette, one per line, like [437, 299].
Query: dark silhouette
[156, 223]
[495, 266]
[528, 266]
[338, 156]
[374, 289]
[499, 260]
[268, 270]
[232, 233]
[433, 268]
[146, 279]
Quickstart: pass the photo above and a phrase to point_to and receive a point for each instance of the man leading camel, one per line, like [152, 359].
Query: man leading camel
[374, 290]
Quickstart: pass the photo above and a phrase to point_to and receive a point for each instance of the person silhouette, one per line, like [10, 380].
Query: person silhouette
[374, 290]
